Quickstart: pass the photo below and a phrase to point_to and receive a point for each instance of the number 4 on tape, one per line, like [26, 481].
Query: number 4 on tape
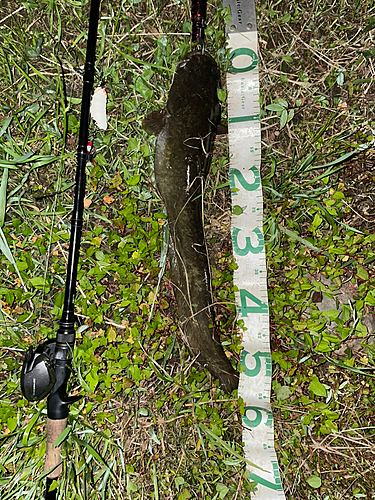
[251, 304]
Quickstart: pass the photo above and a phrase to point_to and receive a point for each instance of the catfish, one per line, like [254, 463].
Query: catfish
[185, 133]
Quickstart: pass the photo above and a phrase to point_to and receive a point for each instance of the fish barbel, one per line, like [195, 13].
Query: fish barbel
[185, 133]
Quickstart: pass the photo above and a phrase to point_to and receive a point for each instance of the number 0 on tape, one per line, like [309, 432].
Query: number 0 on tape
[248, 248]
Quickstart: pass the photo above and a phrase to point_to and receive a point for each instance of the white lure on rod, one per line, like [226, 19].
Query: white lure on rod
[98, 108]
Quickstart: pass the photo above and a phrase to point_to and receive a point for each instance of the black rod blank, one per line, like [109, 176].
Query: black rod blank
[57, 401]
[198, 20]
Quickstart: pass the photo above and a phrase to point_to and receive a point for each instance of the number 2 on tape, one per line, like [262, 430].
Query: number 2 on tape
[234, 172]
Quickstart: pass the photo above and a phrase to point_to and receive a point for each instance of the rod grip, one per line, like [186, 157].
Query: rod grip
[53, 458]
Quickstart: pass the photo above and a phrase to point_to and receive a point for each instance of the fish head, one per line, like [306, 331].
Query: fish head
[195, 81]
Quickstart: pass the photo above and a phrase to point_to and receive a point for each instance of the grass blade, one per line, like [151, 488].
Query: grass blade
[3, 196]
[295, 236]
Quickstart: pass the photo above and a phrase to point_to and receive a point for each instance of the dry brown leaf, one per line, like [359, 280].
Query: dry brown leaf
[108, 200]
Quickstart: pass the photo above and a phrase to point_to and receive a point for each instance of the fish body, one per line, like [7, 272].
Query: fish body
[185, 134]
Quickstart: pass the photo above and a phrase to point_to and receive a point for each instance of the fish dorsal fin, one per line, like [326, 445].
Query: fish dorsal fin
[154, 122]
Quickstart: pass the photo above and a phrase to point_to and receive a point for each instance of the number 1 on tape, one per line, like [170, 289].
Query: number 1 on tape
[248, 248]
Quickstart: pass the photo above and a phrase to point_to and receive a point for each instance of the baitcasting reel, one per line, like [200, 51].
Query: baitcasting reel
[38, 374]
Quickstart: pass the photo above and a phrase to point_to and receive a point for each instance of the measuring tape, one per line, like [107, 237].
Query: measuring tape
[248, 248]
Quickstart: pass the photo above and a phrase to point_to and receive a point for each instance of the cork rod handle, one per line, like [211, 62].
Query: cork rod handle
[53, 457]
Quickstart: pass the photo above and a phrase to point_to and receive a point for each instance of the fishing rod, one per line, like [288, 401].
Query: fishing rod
[198, 19]
[47, 367]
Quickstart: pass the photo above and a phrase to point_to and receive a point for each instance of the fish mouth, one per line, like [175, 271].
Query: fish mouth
[197, 70]
[194, 56]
